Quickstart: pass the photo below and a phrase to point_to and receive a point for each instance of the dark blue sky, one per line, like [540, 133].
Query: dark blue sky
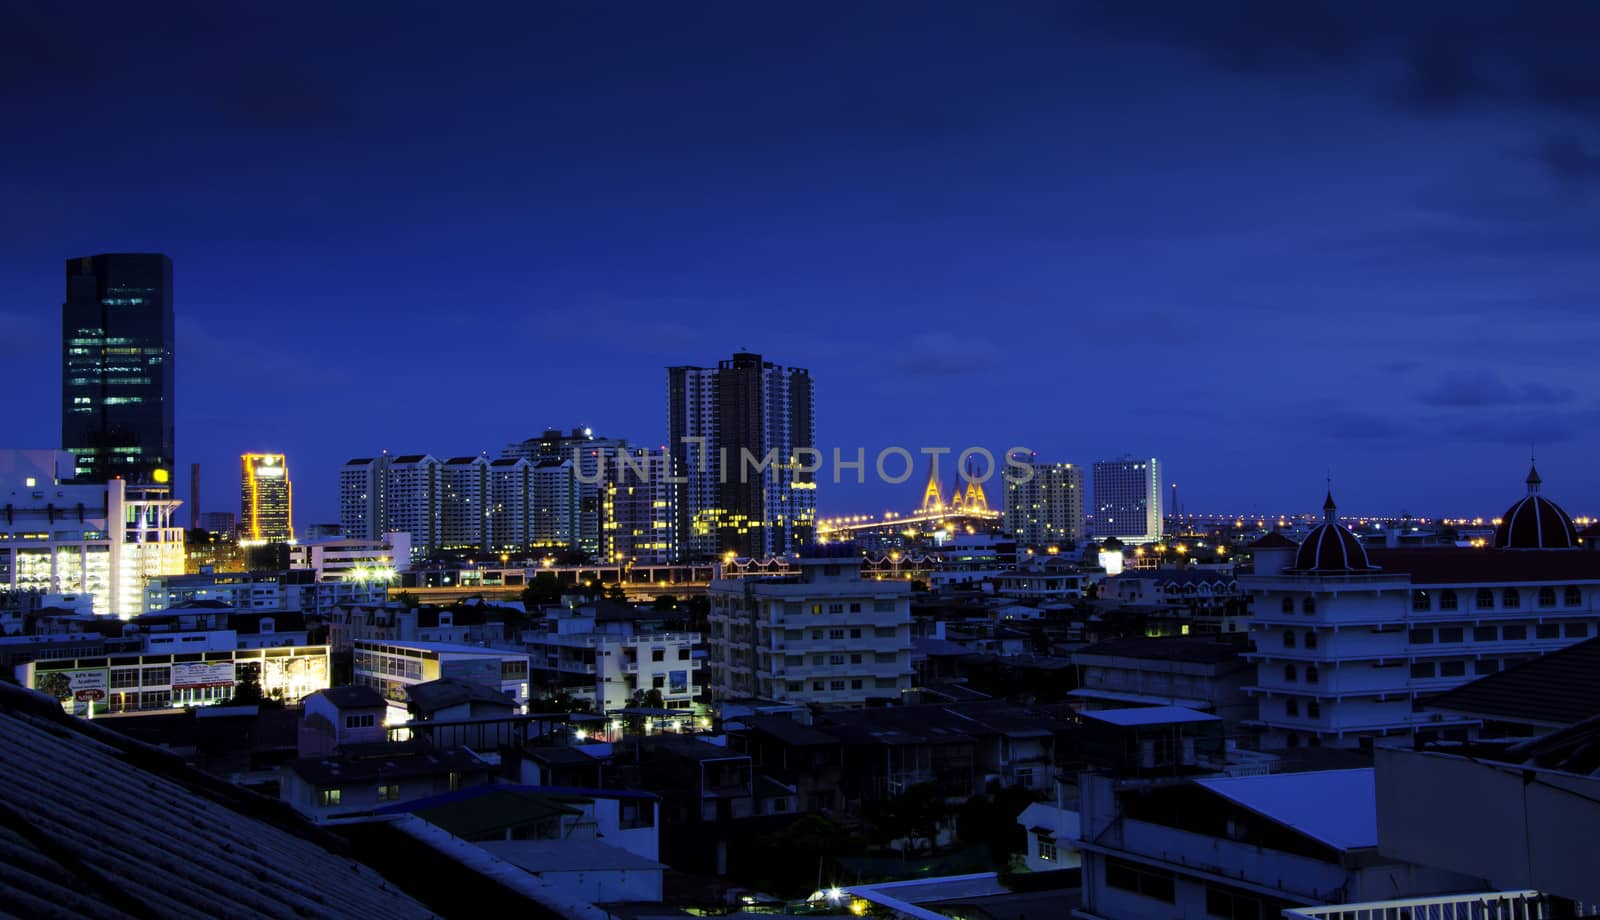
[1257, 243]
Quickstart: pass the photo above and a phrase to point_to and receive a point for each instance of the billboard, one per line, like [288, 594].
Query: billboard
[194, 675]
[80, 690]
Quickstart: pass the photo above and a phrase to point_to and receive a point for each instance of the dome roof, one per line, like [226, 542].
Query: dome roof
[1535, 522]
[1330, 548]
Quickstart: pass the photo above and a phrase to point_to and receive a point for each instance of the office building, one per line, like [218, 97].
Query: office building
[354, 560]
[638, 514]
[829, 636]
[464, 504]
[1046, 509]
[67, 538]
[219, 524]
[1349, 641]
[117, 372]
[266, 499]
[1127, 499]
[734, 430]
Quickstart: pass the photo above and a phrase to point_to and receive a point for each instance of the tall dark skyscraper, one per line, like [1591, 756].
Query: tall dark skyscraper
[734, 431]
[116, 372]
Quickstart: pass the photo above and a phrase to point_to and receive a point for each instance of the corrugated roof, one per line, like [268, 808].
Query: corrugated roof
[93, 824]
[1336, 807]
[568, 856]
[1553, 690]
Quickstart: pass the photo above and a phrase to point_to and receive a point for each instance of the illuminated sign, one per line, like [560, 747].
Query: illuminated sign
[269, 472]
[196, 675]
[81, 688]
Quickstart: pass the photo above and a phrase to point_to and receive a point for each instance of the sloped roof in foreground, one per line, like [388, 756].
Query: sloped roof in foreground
[96, 825]
[1337, 807]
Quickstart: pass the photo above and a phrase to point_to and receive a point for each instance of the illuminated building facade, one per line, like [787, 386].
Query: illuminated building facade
[510, 504]
[116, 374]
[411, 500]
[1127, 499]
[555, 504]
[362, 483]
[638, 514]
[573, 508]
[104, 540]
[150, 682]
[266, 499]
[464, 503]
[717, 418]
[1047, 509]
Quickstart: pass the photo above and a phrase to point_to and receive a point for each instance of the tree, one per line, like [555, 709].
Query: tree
[912, 816]
[544, 590]
[792, 860]
[561, 701]
[643, 699]
[406, 600]
[615, 593]
[992, 822]
[247, 685]
[664, 603]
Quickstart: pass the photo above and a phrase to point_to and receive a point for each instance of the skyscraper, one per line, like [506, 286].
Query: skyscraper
[266, 499]
[1047, 509]
[464, 503]
[734, 430]
[568, 515]
[1127, 499]
[116, 372]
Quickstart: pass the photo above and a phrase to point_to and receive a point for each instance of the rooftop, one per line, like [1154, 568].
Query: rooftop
[568, 856]
[1553, 690]
[359, 763]
[1198, 650]
[70, 847]
[1149, 715]
[445, 692]
[1444, 565]
[1336, 807]
[352, 697]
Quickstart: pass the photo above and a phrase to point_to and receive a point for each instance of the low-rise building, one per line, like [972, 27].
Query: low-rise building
[609, 651]
[1198, 673]
[361, 778]
[827, 636]
[392, 668]
[117, 683]
[339, 716]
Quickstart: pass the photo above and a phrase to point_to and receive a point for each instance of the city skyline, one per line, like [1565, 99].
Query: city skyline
[1445, 224]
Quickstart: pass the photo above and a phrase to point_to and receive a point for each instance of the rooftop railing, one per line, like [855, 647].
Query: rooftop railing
[1492, 905]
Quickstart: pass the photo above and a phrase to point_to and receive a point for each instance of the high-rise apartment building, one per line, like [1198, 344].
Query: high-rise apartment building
[734, 432]
[1046, 509]
[1127, 499]
[568, 515]
[638, 516]
[464, 503]
[266, 499]
[411, 501]
[116, 372]
[510, 504]
[363, 483]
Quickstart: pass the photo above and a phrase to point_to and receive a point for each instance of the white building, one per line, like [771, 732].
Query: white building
[352, 559]
[464, 503]
[390, 666]
[1127, 499]
[828, 636]
[362, 509]
[1347, 642]
[1047, 508]
[587, 459]
[606, 659]
[101, 540]
[174, 680]
[510, 504]
[411, 500]
[291, 590]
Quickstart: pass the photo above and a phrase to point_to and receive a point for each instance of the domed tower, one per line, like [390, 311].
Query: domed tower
[1535, 522]
[1330, 548]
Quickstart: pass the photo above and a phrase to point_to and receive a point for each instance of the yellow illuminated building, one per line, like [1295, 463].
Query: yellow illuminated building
[266, 499]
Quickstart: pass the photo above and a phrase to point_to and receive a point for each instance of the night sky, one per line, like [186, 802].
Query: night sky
[1261, 241]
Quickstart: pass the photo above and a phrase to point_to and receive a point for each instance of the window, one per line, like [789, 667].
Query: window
[1576, 630]
[1311, 639]
[1231, 905]
[455, 781]
[1485, 633]
[883, 606]
[816, 634]
[1572, 597]
[836, 608]
[1422, 637]
[388, 792]
[1313, 709]
[1311, 673]
[855, 684]
[1447, 600]
[817, 685]
[835, 660]
[1288, 638]
[1422, 669]
[1510, 599]
[836, 685]
[1420, 601]
[818, 660]
[855, 657]
[1452, 668]
[157, 676]
[1288, 605]
[658, 681]
[683, 654]
[1485, 599]
[658, 654]
[1514, 632]
[1451, 634]
[1484, 666]
[1308, 606]
[365, 720]
[1548, 630]
[125, 677]
[1289, 673]
[855, 632]
[1291, 707]
[327, 798]
[835, 634]
[1131, 876]
[816, 609]
[855, 608]
[1547, 597]
[1047, 849]
[884, 632]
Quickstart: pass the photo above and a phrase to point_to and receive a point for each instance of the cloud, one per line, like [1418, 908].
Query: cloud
[1485, 388]
[943, 355]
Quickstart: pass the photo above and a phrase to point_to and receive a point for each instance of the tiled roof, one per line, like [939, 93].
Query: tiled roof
[1274, 540]
[95, 825]
[1557, 689]
[1462, 566]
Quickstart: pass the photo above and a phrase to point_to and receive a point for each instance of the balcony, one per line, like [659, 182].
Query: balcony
[1494, 905]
